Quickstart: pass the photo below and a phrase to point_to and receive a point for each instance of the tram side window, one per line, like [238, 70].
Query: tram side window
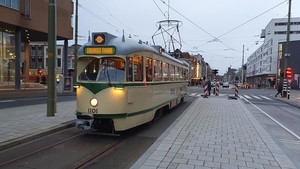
[166, 72]
[157, 70]
[172, 72]
[129, 70]
[185, 74]
[149, 74]
[180, 72]
[138, 67]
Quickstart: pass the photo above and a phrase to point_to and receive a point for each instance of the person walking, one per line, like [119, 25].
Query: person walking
[279, 89]
[209, 87]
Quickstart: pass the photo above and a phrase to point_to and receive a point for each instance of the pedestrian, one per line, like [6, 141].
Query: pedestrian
[279, 89]
[209, 87]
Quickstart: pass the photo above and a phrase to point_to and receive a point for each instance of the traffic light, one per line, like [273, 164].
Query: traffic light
[215, 71]
[288, 73]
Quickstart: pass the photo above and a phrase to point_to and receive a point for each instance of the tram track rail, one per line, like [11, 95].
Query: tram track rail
[39, 150]
[99, 154]
[85, 160]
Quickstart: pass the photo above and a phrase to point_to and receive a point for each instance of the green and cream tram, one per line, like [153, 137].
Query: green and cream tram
[123, 83]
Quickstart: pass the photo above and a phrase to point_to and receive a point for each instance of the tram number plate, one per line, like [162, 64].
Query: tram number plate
[92, 111]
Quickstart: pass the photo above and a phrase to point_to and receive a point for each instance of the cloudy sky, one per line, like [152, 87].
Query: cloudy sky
[215, 29]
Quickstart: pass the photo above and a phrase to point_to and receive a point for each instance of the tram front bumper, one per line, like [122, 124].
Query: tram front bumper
[84, 122]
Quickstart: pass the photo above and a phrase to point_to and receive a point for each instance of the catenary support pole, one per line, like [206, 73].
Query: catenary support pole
[76, 42]
[51, 81]
[287, 53]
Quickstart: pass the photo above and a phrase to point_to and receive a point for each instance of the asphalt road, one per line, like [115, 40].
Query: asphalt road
[281, 121]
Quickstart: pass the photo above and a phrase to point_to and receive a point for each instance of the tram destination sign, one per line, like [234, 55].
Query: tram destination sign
[96, 50]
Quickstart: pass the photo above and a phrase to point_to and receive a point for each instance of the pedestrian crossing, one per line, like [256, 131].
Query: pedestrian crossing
[245, 96]
[255, 97]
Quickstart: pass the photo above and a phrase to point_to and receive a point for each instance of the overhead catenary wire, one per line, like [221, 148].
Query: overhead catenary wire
[111, 14]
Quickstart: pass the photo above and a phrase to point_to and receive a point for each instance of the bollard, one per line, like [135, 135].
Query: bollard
[205, 91]
[236, 91]
[217, 90]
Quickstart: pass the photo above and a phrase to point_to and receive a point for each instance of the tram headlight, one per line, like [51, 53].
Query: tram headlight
[94, 102]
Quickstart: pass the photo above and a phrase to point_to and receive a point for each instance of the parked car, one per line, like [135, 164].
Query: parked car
[226, 85]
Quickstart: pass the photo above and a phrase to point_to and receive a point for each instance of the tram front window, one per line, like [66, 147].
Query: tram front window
[110, 69]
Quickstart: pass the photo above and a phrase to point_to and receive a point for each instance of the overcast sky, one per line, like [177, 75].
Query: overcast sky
[215, 29]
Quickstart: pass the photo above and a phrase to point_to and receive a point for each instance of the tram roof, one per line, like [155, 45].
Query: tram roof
[125, 46]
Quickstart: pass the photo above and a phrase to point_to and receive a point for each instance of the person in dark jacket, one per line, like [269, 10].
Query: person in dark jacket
[279, 90]
[209, 87]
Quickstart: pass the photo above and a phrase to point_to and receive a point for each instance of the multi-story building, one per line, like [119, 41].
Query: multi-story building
[293, 62]
[39, 60]
[262, 65]
[25, 21]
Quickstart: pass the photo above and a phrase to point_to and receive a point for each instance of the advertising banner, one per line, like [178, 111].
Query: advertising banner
[67, 83]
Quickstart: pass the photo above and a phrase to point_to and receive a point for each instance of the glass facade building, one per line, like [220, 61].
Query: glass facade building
[21, 23]
[7, 55]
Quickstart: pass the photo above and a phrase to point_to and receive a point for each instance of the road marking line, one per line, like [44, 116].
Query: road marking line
[193, 94]
[265, 97]
[289, 141]
[288, 130]
[248, 97]
[6, 101]
[256, 97]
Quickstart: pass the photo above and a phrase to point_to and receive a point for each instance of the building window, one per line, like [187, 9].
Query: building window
[40, 51]
[15, 4]
[33, 63]
[69, 63]
[58, 62]
[73, 63]
[40, 62]
[33, 51]
[58, 51]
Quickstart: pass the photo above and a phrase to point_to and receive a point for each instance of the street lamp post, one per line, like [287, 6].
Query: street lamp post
[242, 79]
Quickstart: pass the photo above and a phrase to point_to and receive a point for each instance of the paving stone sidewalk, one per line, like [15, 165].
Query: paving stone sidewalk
[215, 133]
[22, 124]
